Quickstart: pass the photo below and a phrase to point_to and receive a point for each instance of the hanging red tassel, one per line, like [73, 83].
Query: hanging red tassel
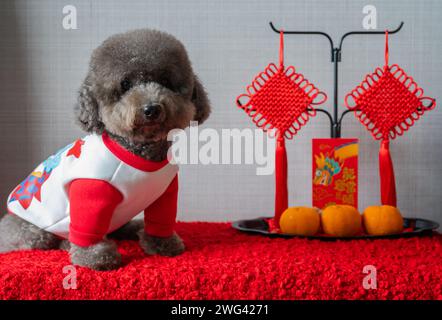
[281, 194]
[388, 102]
[388, 183]
[281, 99]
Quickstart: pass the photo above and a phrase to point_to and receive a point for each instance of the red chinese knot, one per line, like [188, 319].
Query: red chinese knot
[388, 101]
[280, 98]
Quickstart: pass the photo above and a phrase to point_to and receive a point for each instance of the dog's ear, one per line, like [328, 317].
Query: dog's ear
[86, 109]
[201, 102]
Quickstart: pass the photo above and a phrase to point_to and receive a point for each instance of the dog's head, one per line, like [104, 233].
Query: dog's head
[140, 85]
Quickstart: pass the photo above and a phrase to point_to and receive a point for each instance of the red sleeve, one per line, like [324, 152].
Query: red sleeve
[92, 203]
[159, 217]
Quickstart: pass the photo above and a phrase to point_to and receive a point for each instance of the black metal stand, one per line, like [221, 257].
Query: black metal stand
[336, 52]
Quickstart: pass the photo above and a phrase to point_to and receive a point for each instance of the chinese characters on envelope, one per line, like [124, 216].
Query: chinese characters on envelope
[335, 172]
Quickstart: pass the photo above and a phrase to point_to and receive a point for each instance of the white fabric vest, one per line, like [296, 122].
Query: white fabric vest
[42, 198]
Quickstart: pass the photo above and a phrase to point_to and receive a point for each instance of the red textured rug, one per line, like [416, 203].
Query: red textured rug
[222, 263]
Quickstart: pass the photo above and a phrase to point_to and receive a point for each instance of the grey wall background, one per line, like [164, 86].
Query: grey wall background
[42, 66]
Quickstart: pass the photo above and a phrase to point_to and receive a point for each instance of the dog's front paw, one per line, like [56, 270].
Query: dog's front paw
[101, 256]
[170, 246]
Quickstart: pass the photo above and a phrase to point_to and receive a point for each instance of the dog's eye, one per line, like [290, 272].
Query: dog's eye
[125, 85]
[166, 83]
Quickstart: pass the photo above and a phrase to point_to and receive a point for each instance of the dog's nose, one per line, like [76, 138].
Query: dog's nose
[152, 111]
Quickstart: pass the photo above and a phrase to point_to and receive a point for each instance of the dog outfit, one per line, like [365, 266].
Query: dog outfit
[93, 187]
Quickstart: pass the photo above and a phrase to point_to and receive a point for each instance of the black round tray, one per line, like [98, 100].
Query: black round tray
[419, 227]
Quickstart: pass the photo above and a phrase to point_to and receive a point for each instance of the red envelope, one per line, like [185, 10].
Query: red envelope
[335, 172]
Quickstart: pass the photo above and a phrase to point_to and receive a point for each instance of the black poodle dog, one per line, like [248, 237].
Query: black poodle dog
[140, 85]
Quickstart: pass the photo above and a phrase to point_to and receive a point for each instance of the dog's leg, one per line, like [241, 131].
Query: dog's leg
[18, 234]
[159, 219]
[127, 232]
[65, 245]
[170, 246]
[100, 256]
